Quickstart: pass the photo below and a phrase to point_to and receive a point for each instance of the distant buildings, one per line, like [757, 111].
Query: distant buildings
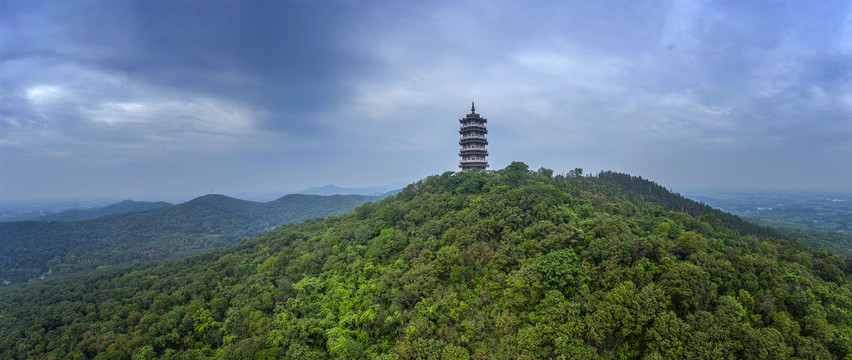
[473, 141]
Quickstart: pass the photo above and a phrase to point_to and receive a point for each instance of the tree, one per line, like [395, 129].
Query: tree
[686, 283]
[691, 242]
[577, 172]
[546, 172]
[558, 268]
[516, 173]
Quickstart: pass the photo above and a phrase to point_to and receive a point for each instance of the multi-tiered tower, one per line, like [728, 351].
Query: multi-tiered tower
[473, 141]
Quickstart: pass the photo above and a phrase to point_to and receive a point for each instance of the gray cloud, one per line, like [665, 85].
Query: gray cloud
[156, 97]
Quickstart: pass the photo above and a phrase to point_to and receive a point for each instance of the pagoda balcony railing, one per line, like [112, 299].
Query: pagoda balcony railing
[474, 148]
[473, 126]
[480, 137]
[473, 160]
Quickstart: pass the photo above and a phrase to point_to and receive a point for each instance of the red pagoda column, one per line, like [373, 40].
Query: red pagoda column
[473, 141]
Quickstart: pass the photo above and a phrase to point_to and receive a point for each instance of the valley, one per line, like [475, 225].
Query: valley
[822, 220]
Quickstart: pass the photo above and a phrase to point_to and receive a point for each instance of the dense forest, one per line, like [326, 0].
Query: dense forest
[39, 249]
[512, 264]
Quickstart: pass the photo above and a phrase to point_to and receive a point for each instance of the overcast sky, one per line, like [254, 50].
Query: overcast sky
[165, 99]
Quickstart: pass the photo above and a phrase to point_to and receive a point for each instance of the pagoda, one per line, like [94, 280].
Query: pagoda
[473, 141]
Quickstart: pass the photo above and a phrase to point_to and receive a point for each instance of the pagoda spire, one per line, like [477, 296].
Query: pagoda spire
[472, 107]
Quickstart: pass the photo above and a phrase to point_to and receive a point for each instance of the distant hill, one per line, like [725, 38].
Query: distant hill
[371, 190]
[126, 206]
[32, 249]
[643, 192]
[507, 264]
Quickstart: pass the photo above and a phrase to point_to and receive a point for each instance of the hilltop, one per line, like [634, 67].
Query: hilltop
[32, 249]
[512, 264]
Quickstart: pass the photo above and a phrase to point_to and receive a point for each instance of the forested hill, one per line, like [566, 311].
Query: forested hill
[511, 264]
[126, 206]
[32, 249]
[646, 193]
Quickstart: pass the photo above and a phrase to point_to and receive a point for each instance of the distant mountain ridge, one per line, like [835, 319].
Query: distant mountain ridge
[370, 190]
[29, 249]
[126, 206]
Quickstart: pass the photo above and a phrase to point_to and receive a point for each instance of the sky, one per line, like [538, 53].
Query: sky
[163, 99]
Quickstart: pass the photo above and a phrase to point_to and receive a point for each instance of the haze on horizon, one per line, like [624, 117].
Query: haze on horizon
[156, 99]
